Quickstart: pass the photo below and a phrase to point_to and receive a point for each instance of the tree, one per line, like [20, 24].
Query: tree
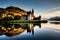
[17, 17]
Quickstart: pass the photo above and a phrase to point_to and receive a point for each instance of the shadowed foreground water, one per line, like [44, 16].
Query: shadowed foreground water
[46, 31]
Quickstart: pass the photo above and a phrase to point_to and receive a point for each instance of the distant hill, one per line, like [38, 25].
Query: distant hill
[57, 18]
[12, 10]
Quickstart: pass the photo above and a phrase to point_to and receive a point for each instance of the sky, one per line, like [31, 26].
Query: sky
[41, 7]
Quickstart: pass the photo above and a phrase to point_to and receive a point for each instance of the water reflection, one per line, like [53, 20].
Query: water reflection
[23, 31]
[52, 25]
[55, 22]
[15, 29]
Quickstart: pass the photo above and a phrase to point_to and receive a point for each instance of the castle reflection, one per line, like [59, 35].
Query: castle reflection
[15, 29]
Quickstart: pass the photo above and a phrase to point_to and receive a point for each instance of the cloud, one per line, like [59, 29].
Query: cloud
[51, 14]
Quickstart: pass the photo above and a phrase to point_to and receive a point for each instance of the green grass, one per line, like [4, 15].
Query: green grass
[22, 21]
[25, 21]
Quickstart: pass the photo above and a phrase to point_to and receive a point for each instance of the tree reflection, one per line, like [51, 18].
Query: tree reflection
[15, 29]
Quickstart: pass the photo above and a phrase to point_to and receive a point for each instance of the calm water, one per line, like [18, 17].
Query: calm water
[46, 31]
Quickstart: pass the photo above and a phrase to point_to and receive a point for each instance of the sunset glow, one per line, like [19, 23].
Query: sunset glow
[52, 14]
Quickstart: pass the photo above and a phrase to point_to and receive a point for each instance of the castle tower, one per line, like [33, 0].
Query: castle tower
[32, 11]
